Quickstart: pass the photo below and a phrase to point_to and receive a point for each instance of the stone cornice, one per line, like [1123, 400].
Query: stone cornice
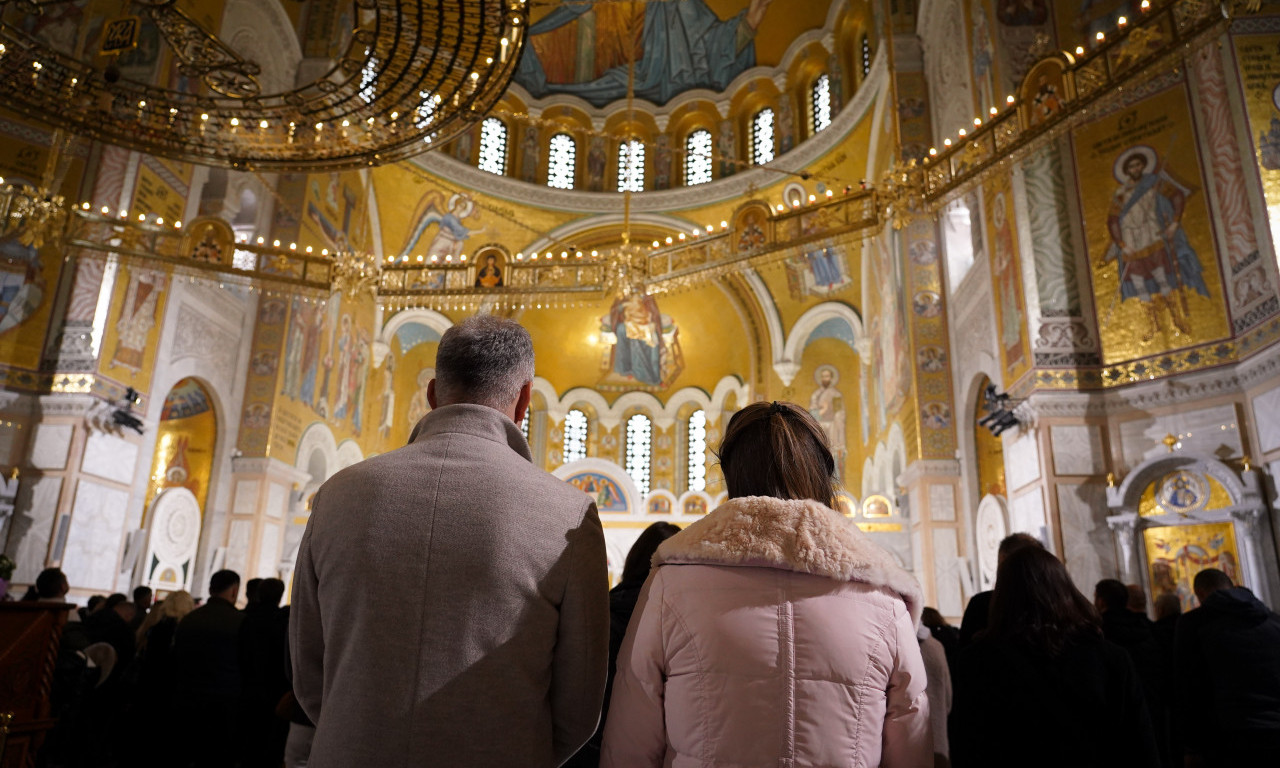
[739, 185]
[1168, 391]
[254, 465]
[922, 468]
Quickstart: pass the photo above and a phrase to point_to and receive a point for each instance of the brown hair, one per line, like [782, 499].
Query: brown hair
[1036, 602]
[777, 449]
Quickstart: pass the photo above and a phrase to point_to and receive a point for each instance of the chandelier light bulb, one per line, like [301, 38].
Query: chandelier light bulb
[105, 210]
[177, 225]
[1101, 36]
[275, 244]
[263, 124]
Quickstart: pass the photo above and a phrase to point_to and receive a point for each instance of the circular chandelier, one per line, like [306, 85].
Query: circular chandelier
[415, 73]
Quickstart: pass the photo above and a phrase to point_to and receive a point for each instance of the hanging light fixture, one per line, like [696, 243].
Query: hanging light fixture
[415, 72]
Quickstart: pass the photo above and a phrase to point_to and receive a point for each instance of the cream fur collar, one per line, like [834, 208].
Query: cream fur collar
[802, 536]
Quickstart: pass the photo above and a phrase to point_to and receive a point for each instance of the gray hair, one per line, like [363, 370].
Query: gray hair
[483, 360]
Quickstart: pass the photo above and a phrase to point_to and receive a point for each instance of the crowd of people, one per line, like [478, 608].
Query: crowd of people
[166, 668]
[432, 625]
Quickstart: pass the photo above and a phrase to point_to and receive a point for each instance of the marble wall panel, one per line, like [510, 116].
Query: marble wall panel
[109, 457]
[1266, 416]
[917, 555]
[246, 502]
[942, 502]
[1077, 450]
[1021, 460]
[49, 446]
[95, 537]
[238, 537]
[277, 500]
[268, 552]
[1026, 514]
[1211, 431]
[946, 568]
[1088, 547]
[31, 526]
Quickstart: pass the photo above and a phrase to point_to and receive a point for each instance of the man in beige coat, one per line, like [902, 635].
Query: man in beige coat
[450, 601]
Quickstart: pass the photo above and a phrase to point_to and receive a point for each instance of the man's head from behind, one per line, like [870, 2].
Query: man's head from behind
[270, 591]
[142, 597]
[226, 585]
[51, 584]
[1208, 581]
[1110, 595]
[1014, 542]
[484, 360]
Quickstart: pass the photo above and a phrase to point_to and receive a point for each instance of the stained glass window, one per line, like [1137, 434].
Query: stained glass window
[493, 146]
[821, 103]
[639, 451]
[575, 436]
[562, 161]
[631, 166]
[698, 451]
[762, 137]
[697, 158]
[866, 56]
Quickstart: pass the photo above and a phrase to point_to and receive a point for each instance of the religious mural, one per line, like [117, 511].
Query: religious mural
[826, 405]
[186, 439]
[608, 496]
[1006, 278]
[1148, 235]
[644, 345]
[454, 223]
[583, 49]
[1176, 553]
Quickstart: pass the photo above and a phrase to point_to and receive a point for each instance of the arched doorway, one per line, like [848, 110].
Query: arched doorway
[178, 486]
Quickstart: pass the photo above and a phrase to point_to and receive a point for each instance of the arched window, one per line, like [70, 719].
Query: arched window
[639, 451]
[493, 146]
[575, 436]
[697, 158]
[562, 161]
[821, 103]
[866, 56]
[762, 137]
[631, 166]
[697, 450]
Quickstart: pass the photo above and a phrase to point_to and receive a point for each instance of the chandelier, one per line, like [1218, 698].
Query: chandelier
[414, 73]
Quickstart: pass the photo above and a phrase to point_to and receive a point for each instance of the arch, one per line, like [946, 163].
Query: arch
[991, 525]
[263, 32]
[1129, 493]
[788, 364]
[317, 439]
[426, 317]
[349, 453]
[663, 415]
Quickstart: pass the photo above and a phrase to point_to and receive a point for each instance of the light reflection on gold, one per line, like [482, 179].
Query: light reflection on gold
[1148, 506]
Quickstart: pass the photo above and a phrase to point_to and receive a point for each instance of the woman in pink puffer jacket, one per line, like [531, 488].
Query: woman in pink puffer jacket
[772, 632]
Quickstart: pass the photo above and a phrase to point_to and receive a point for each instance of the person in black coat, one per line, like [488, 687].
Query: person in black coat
[1042, 686]
[113, 625]
[977, 612]
[1227, 655]
[263, 638]
[1133, 631]
[206, 648]
[622, 603]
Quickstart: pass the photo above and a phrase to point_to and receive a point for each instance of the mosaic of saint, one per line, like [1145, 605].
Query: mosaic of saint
[583, 48]
[644, 344]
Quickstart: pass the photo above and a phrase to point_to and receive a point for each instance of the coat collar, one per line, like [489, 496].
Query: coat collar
[794, 535]
[475, 420]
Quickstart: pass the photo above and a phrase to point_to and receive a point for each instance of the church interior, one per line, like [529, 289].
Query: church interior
[1017, 257]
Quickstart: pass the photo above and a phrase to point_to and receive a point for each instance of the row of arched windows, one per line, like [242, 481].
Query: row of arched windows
[562, 150]
[637, 457]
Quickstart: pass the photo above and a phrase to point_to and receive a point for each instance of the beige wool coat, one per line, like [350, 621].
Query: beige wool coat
[450, 605]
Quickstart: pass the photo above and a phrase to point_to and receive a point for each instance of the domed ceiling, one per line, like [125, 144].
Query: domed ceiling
[582, 49]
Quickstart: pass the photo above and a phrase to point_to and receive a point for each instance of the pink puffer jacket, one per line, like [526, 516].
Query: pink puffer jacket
[771, 633]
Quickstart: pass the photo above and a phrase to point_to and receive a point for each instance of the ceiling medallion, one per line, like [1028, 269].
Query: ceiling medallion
[413, 74]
